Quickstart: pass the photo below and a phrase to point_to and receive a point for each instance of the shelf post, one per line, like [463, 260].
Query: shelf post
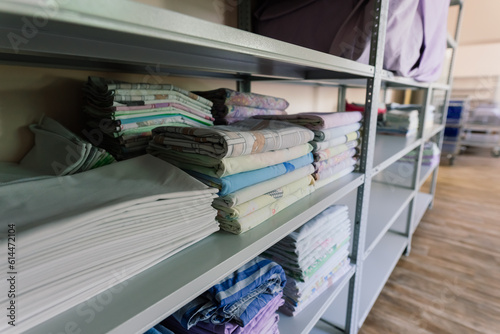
[244, 85]
[341, 98]
[245, 15]
[373, 87]
[417, 168]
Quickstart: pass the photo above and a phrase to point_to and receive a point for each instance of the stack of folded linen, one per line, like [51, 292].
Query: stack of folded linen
[429, 115]
[335, 141]
[430, 157]
[314, 257]
[99, 228]
[121, 115]
[57, 151]
[260, 167]
[231, 106]
[244, 302]
[400, 122]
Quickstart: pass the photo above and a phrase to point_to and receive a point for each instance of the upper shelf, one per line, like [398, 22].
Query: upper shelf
[125, 35]
[147, 298]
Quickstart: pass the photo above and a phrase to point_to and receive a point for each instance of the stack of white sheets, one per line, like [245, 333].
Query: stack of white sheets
[314, 257]
[76, 233]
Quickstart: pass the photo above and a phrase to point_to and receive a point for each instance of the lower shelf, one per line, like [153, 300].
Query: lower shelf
[306, 320]
[422, 204]
[386, 204]
[377, 269]
[324, 328]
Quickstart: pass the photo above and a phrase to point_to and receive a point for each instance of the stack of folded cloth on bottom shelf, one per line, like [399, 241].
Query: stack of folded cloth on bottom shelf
[57, 151]
[260, 167]
[314, 257]
[400, 122]
[244, 302]
[335, 141]
[430, 157]
[122, 115]
[231, 106]
[99, 228]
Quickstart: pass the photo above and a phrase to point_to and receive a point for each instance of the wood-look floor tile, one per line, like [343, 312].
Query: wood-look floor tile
[450, 283]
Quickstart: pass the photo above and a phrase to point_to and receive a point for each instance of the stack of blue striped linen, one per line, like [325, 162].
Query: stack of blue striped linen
[76, 231]
[244, 302]
[335, 141]
[121, 115]
[314, 257]
[260, 167]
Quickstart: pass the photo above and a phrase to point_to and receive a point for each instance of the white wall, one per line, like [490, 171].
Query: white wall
[477, 60]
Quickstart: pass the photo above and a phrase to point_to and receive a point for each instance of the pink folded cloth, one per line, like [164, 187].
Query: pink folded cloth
[317, 120]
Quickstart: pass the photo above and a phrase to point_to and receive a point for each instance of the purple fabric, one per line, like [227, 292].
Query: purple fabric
[263, 322]
[317, 120]
[415, 40]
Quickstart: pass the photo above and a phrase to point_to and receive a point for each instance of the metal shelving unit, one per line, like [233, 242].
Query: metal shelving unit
[383, 216]
[389, 149]
[307, 319]
[97, 35]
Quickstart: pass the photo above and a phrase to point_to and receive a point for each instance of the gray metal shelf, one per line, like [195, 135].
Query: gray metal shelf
[425, 172]
[389, 149]
[386, 204]
[305, 321]
[392, 81]
[423, 201]
[161, 290]
[437, 128]
[450, 42]
[102, 35]
[376, 270]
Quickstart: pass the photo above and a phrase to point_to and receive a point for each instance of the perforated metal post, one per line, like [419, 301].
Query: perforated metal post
[245, 15]
[341, 98]
[417, 168]
[373, 86]
[244, 85]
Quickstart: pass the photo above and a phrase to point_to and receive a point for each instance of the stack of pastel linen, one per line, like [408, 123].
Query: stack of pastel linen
[400, 122]
[82, 234]
[244, 302]
[57, 151]
[429, 115]
[314, 257]
[121, 115]
[230, 106]
[335, 141]
[430, 157]
[260, 167]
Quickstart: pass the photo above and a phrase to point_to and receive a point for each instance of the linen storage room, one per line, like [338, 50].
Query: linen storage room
[262, 166]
